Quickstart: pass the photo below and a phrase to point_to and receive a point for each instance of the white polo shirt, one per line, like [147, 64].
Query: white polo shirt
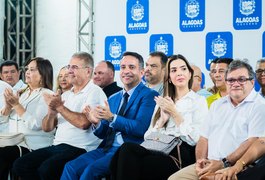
[227, 126]
[67, 133]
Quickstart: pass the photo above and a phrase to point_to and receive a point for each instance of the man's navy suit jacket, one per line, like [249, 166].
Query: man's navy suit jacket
[137, 115]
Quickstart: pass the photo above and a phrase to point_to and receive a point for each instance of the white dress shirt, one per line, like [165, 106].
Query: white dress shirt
[227, 126]
[19, 85]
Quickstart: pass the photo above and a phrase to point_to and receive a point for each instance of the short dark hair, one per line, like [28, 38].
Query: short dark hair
[45, 69]
[224, 60]
[110, 65]
[162, 56]
[237, 64]
[8, 63]
[137, 56]
[262, 60]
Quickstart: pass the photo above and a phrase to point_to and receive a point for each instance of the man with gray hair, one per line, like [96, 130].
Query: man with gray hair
[260, 75]
[233, 123]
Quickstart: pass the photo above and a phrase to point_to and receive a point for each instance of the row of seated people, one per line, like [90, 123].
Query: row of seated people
[96, 137]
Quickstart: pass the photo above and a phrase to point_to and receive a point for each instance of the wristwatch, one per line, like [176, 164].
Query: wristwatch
[226, 163]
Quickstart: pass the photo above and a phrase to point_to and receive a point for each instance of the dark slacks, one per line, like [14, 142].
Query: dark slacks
[45, 163]
[257, 172]
[134, 162]
[8, 155]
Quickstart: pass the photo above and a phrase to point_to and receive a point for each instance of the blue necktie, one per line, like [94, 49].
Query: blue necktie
[111, 132]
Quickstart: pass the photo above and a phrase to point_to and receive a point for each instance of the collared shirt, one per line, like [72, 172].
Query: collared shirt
[204, 93]
[19, 85]
[193, 109]
[67, 133]
[30, 123]
[158, 88]
[227, 126]
[213, 98]
[260, 92]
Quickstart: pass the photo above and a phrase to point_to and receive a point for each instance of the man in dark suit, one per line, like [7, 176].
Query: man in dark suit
[124, 118]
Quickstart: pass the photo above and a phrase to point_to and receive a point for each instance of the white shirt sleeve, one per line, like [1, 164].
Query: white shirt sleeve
[190, 128]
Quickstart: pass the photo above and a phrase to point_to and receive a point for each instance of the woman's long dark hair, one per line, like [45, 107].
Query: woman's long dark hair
[169, 87]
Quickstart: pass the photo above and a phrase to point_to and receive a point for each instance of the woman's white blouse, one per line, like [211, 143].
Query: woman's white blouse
[30, 123]
[193, 109]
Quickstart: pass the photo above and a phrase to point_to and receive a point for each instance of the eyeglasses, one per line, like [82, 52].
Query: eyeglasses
[260, 71]
[75, 67]
[30, 69]
[240, 80]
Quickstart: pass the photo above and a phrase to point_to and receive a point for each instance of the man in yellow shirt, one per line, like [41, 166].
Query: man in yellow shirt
[219, 78]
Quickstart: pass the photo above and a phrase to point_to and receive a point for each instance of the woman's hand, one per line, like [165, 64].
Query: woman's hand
[10, 98]
[166, 104]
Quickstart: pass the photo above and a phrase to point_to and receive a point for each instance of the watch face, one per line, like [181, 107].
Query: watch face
[226, 163]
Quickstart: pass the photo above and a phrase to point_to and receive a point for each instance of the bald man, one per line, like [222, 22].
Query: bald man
[197, 80]
[104, 78]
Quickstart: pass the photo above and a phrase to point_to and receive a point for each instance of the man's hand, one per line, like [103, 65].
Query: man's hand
[207, 166]
[54, 101]
[103, 112]
[90, 115]
[200, 165]
[228, 173]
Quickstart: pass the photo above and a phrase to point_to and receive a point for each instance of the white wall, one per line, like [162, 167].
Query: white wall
[57, 30]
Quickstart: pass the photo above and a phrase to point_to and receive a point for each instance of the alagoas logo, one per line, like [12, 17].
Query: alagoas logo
[114, 47]
[247, 7]
[162, 43]
[137, 11]
[192, 15]
[192, 8]
[247, 14]
[137, 16]
[218, 44]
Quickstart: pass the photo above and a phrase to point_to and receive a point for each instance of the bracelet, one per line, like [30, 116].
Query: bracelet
[242, 163]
